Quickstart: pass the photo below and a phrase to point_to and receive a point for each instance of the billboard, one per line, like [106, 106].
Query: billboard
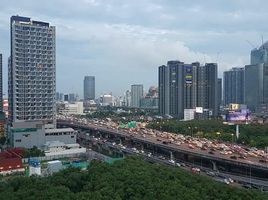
[199, 109]
[242, 115]
[188, 74]
[234, 106]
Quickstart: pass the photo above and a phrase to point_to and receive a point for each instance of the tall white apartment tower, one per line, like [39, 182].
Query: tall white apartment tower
[31, 71]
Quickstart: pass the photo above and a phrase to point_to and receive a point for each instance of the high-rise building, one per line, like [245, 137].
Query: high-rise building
[219, 92]
[128, 98]
[259, 55]
[72, 97]
[186, 86]
[136, 95]
[1, 84]
[32, 85]
[150, 100]
[32, 71]
[207, 95]
[89, 88]
[234, 88]
[256, 85]
[66, 97]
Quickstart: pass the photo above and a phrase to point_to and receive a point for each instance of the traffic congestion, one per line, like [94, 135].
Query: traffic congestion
[216, 148]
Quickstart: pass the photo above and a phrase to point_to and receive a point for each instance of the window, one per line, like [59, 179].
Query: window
[17, 140]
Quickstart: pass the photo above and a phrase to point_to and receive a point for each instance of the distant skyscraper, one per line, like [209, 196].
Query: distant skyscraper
[259, 55]
[136, 95]
[219, 92]
[89, 88]
[128, 98]
[72, 97]
[234, 88]
[256, 85]
[32, 69]
[185, 86]
[66, 97]
[1, 84]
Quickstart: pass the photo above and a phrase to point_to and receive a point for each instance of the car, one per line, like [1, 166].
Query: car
[178, 164]
[195, 170]
[211, 174]
[191, 146]
[226, 181]
[172, 161]
[182, 164]
[262, 161]
[204, 148]
[233, 157]
[247, 186]
[230, 180]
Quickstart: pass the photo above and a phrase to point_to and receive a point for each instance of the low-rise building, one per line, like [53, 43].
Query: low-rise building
[11, 161]
[189, 114]
[76, 108]
[56, 148]
[32, 134]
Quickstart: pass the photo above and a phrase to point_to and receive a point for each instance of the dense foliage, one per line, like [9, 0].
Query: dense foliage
[250, 134]
[123, 115]
[130, 179]
[33, 152]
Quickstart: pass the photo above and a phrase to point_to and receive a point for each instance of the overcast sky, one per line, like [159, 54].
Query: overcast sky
[122, 42]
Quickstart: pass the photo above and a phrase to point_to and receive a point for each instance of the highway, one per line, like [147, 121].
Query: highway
[219, 176]
[249, 161]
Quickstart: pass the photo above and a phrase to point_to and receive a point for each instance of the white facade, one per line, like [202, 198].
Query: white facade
[107, 100]
[189, 114]
[56, 148]
[32, 134]
[76, 108]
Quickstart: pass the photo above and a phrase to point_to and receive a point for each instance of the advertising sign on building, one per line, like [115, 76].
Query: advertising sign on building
[199, 109]
[189, 75]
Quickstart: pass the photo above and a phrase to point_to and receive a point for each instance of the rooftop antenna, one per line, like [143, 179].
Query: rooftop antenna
[262, 41]
[250, 44]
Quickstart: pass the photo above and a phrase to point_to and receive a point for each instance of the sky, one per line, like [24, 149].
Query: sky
[122, 42]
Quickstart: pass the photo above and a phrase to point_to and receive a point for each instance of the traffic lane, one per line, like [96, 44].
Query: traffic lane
[183, 146]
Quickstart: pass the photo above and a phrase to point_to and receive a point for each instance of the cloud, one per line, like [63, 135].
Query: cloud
[123, 42]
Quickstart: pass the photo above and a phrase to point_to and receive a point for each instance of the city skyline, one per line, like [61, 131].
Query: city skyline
[108, 37]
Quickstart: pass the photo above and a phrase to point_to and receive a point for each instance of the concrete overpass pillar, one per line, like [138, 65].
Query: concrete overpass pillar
[171, 155]
[214, 166]
[110, 152]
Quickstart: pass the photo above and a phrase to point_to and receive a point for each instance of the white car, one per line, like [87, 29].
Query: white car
[178, 164]
[230, 180]
[172, 161]
[226, 181]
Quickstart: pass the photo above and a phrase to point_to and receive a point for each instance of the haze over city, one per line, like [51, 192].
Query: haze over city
[123, 42]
